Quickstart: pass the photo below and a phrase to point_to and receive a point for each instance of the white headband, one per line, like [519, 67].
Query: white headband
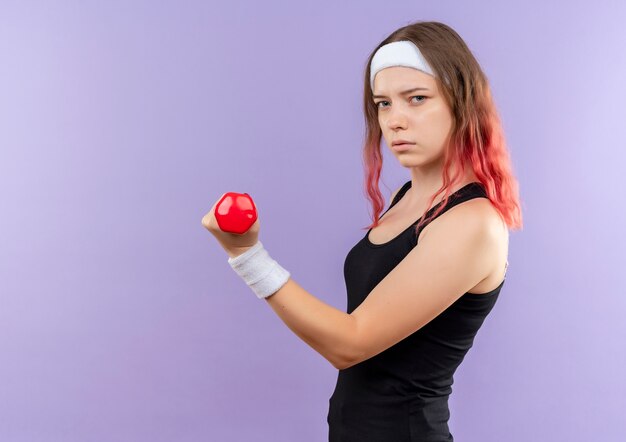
[398, 53]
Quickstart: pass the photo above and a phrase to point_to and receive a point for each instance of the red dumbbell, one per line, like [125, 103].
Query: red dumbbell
[235, 212]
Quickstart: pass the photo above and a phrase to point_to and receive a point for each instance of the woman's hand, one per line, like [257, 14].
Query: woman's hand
[235, 244]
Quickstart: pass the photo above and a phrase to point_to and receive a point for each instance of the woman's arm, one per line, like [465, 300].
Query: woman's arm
[331, 332]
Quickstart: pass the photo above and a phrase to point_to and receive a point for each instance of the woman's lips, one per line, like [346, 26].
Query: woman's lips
[402, 147]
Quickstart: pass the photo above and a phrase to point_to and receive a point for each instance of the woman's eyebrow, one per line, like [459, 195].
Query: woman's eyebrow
[404, 92]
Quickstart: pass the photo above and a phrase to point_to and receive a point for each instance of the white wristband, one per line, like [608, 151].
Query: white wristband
[257, 268]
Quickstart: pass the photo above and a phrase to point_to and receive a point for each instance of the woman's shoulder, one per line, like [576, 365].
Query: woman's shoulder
[483, 217]
[477, 210]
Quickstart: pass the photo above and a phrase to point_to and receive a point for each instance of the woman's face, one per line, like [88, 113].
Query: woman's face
[421, 116]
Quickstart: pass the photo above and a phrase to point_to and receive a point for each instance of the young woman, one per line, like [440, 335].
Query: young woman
[428, 271]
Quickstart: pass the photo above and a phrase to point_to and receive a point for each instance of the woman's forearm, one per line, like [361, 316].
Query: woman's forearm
[329, 331]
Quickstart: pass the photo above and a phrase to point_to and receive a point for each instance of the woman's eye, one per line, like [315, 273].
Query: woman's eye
[415, 96]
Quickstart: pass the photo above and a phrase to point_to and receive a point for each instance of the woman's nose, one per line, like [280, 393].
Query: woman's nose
[396, 119]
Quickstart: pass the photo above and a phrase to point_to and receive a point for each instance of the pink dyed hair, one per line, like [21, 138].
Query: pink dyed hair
[477, 136]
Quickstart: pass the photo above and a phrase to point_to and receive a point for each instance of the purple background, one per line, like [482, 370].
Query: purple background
[121, 124]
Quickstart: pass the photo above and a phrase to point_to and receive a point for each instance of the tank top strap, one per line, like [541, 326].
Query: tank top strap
[398, 196]
[469, 191]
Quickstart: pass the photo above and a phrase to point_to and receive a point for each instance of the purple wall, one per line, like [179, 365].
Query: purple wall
[121, 125]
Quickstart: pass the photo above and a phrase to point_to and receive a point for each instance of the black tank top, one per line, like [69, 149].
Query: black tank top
[401, 394]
